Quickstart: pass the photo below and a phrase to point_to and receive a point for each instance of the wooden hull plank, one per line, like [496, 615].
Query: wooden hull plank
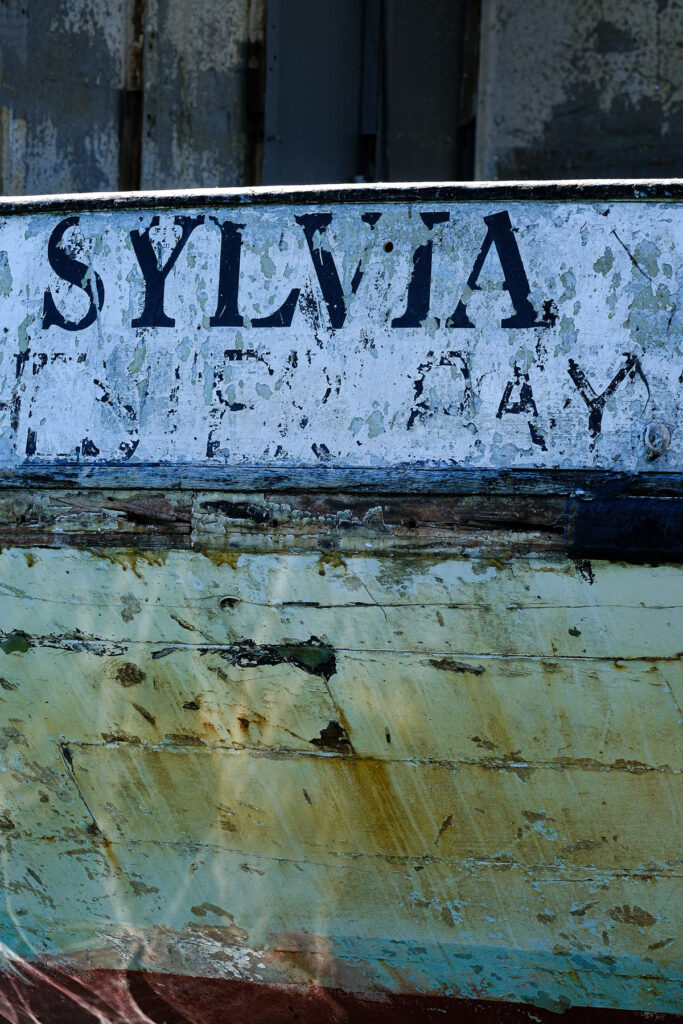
[461, 608]
[297, 805]
[461, 929]
[574, 712]
[53, 995]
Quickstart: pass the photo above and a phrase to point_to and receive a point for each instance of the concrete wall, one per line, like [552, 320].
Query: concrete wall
[589, 88]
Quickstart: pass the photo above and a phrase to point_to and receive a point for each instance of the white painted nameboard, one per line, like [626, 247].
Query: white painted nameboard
[488, 333]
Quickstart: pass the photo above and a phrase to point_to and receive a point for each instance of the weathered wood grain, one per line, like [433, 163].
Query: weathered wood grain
[220, 520]
[430, 605]
[323, 479]
[632, 528]
[456, 923]
[574, 713]
[308, 808]
[254, 786]
[94, 518]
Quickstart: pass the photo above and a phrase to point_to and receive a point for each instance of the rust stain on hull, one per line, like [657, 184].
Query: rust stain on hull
[404, 776]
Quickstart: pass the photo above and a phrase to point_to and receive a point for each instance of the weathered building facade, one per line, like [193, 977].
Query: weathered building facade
[158, 94]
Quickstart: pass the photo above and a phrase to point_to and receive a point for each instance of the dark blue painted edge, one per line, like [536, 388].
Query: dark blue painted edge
[399, 479]
[625, 528]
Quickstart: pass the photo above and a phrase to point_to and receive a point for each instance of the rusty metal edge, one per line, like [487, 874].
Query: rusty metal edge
[64, 996]
[589, 190]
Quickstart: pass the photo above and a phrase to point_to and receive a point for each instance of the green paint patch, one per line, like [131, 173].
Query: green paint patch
[22, 332]
[15, 643]
[210, 908]
[605, 263]
[375, 423]
[138, 359]
[5, 275]
[311, 656]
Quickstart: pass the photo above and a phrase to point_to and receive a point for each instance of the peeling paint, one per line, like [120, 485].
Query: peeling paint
[476, 389]
[602, 73]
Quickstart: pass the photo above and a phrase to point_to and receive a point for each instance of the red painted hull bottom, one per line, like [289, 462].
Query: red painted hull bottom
[37, 995]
